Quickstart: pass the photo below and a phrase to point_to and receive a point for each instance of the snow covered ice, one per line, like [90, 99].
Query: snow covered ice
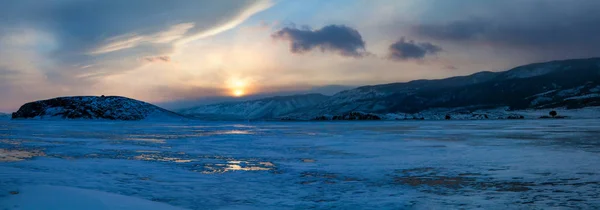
[502, 164]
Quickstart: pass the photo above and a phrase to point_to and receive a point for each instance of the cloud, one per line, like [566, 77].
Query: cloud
[115, 35]
[460, 30]
[163, 58]
[6, 73]
[406, 50]
[336, 38]
[553, 29]
[72, 46]
[450, 67]
[133, 40]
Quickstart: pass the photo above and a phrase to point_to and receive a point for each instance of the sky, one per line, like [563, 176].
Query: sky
[201, 51]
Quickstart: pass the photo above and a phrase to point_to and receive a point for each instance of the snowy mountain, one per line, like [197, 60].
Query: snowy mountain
[568, 83]
[267, 108]
[93, 107]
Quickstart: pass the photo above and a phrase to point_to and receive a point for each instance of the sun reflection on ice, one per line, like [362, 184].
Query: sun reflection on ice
[238, 165]
[230, 132]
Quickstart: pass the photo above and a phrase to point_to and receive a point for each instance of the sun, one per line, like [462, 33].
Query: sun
[238, 92]
[238, 87]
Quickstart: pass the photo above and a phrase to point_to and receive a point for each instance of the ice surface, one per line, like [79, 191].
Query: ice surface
[503, 164]
[53, 197]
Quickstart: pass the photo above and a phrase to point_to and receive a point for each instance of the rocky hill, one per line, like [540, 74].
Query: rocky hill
[93, 107]
[267, 108]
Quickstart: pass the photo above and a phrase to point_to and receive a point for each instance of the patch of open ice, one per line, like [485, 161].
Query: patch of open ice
[18, 155]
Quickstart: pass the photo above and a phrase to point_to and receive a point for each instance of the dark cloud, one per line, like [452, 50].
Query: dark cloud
[451, 67]
[5, 72]
[163, 58]
[406, 50]
[553, 29]
[458, 30]
[337, 38]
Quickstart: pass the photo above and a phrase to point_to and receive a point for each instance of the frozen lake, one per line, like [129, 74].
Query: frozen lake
[522, 164]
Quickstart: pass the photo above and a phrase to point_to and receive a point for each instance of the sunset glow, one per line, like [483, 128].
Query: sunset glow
[237, 86]
[171, 52]
[238, 93]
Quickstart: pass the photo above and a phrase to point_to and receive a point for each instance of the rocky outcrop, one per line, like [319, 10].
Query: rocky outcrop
[92, 107]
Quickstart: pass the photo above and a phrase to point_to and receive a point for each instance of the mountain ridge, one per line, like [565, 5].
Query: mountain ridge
[266, 108]
[571, 83]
